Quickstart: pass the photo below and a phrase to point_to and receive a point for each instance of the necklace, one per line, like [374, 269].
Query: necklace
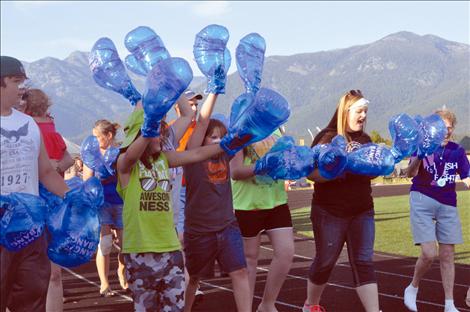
[441, 182]
[442, 153]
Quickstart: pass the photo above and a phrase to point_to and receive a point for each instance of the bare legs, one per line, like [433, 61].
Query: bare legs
[282, 241]
[55, 292]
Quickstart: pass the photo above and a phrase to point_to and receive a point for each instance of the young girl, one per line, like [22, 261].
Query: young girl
[154, 264]
[211, 231]
[111, 211]
[262, 207]
[36, 104]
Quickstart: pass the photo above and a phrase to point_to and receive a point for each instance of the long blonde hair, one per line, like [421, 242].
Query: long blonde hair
[344, 104]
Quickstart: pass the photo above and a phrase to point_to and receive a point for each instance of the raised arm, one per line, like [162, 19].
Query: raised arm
[197, 138]
[185, 117]
[48, 176]
[177, 159]
[133, 153]
[238, 170]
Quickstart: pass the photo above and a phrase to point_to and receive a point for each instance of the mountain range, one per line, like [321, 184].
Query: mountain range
[402, 72]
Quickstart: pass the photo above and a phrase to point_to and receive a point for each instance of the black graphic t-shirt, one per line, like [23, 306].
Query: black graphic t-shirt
[349, 194]
[209, 206]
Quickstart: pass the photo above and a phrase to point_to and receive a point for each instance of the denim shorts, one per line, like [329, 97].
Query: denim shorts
[433, 221]
[181, 206]
[201, 250]
[111, 214]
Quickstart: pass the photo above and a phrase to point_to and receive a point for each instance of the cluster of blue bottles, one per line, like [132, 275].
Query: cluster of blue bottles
[405, 135]
[165, 83]
[103, 165]
[286, 161]
[74, 224]
[432, 131]
[22, 220]
[109, 71]
[250, 60]
[212, 56]
[147, 49]
[255, 114]
[331, 159]
[371, 160]
[253, 118]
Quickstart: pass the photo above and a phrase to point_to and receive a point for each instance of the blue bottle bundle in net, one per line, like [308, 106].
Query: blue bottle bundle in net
[212, 56]
[253, 118]
[371, 160]
[286, 161]
[405, 135]
[109, 71]
[147, 49]
[331, 158]
[74, 225]
[22, 220]
[164, 85]
[432, 131]
[250, 60]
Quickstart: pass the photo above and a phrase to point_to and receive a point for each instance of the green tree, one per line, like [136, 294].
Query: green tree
[377, 138]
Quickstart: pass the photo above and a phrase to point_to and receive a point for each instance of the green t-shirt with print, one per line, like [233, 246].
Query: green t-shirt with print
[255, 193]
[148, 213]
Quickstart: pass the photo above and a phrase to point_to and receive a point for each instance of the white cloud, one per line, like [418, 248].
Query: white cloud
[211, 8]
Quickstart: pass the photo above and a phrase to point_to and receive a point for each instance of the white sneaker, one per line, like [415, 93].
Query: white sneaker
[451, 309]
[409, 298]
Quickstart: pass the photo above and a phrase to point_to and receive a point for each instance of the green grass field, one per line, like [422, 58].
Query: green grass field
[392, 224]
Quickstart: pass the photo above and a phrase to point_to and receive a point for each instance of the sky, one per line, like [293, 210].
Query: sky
[37, 29]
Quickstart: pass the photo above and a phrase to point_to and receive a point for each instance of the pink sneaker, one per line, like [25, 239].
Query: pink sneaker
[313, 308]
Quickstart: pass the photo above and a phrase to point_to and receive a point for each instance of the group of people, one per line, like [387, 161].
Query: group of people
[178, 203]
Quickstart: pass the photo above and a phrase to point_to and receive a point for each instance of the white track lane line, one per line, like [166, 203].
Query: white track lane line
[378, 271]
[93, 283]
[352, 288]
[257, 297]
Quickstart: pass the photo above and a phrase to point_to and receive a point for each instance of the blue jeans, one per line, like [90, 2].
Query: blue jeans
[331, 232]
[201, 250]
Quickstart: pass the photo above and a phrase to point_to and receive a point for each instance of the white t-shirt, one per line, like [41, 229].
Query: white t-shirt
[20, 141]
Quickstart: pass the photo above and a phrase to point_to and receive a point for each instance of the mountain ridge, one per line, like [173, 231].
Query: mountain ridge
[401, 72]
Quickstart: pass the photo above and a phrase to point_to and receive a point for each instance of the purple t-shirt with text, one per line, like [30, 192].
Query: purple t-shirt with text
[437, 173]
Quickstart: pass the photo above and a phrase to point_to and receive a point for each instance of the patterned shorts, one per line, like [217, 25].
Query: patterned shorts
[156, 280]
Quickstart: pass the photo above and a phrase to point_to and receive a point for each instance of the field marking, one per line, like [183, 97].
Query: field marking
[377, 271]
[349, 287]
[257, 297]
[83, 278]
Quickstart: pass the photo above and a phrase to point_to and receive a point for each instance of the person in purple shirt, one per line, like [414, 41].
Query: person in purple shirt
[433, 214]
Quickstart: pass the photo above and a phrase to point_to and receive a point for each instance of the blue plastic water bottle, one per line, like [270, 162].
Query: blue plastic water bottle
[109, 71]
[147, 49]
[250, 60]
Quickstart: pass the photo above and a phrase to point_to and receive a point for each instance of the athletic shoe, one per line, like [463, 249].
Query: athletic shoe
[313, 308]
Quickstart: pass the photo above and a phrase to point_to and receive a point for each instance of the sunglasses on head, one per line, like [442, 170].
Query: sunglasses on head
[355, 92]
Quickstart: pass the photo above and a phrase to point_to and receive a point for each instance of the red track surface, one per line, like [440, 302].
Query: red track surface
[393, 273]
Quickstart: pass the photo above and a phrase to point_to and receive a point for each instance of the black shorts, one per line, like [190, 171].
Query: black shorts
[253, 222]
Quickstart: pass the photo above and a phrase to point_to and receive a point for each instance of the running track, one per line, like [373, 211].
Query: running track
[394, 274]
